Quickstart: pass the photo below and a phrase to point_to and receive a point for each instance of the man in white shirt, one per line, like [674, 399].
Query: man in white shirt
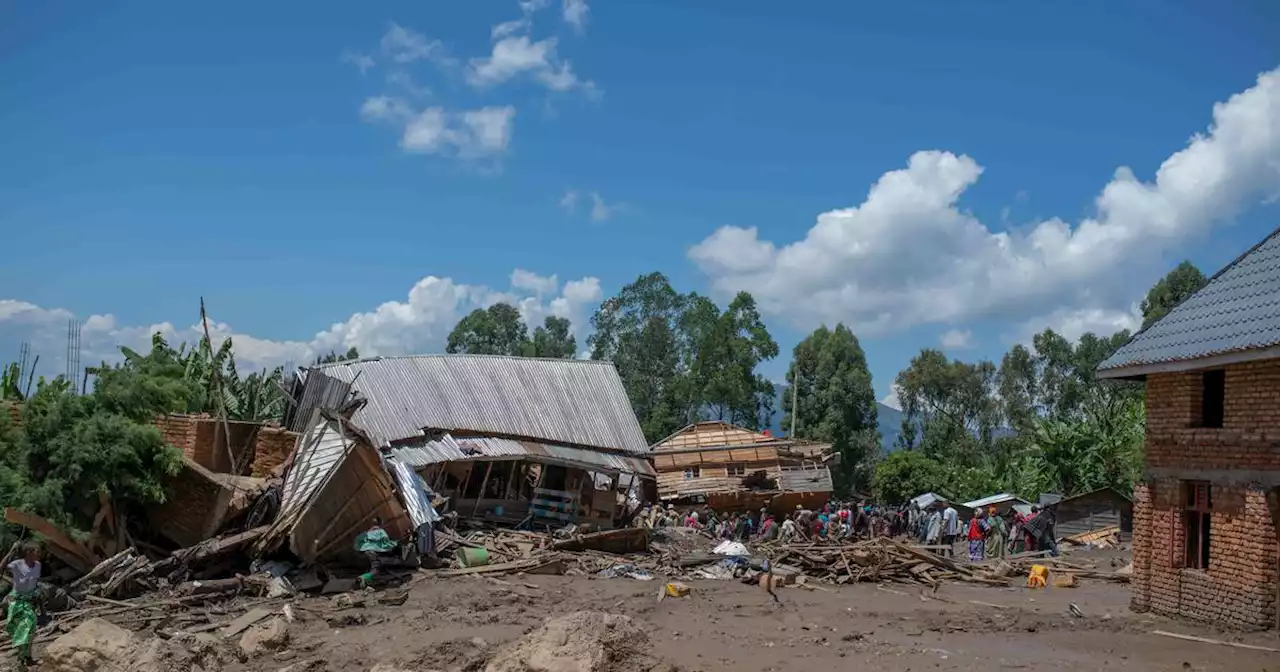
[950, 525]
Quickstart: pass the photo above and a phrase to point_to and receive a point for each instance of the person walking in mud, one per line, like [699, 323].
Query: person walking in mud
[20, 618]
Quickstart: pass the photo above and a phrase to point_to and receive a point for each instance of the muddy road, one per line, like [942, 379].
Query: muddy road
[462, 623]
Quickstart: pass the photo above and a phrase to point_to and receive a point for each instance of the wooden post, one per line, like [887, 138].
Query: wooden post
[466, 480]
[483, 482]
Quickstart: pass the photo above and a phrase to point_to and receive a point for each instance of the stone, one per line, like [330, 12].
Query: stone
[93, 646]
[272, 635]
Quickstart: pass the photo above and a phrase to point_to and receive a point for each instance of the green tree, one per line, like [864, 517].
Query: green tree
[681, 359]
[953, 402]
[835, 401]
[639, 330]
[1174, 288]
[72, 447]
[554, 339]
[726, 363]
[496, 330]
[904, 474]
[351, 355]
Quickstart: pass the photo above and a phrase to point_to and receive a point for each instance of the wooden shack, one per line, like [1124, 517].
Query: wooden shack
[1093, 511]
[731, 467]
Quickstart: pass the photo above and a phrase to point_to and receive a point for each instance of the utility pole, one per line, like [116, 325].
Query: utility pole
[795, 380]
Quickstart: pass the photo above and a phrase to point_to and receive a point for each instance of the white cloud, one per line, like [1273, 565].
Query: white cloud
[575, 14]
[530, 281]
[1072, 323]
[513, 56]
[957, 339]
[569, 202]
[908, 255]
[418, 324]
[891, 399]
[600, 211]
[385, 108]
[472, 134]
[405, 82]
[362, 61]
[404, 45]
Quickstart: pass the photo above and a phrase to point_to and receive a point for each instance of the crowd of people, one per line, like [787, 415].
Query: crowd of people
[833, 521]
[988, 533]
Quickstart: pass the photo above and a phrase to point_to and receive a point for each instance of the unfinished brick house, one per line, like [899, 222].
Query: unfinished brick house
[1204, 522]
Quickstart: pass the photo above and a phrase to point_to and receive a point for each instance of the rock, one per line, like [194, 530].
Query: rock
[583, 641]
[93, 646]
[383, 667]
[271, 635]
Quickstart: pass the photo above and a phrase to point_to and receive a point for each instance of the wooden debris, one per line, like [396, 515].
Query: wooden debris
[1206, 640]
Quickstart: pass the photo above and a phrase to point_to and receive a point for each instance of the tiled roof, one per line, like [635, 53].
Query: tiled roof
[1239, 309]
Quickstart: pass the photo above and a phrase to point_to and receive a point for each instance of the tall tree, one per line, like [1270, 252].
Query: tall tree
[496, 330]
[681, 359]
[1017, 381]
[1174, 288]
[726, 363]
[553, 339]
[953, 402]
[834, 401]
[639, 331]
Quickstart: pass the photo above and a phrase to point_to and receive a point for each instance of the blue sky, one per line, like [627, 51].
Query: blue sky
[329, 174]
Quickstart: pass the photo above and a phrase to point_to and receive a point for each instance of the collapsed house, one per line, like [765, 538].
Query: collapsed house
[508, 440]
[734, 468]
[1206, 515]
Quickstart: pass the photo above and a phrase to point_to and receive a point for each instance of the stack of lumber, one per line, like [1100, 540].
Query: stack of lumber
[1020, 566]
[1107, 537]
[879, 559]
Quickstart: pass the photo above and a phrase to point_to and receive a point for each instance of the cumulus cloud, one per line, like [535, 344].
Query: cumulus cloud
[575, 14]
[909, 255]
[420, 323]
[1072, 323]
[514, 56]
[404, 45]
[472, 134]
[956, 339]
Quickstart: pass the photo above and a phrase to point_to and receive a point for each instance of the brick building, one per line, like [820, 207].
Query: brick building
[1205, 516]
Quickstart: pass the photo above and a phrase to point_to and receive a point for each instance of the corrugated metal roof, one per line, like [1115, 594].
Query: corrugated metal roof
[319, 453]
[447, 449]
[416, 502]
[808, 479]
[996, 499]
[563, 401]
[1239, 309]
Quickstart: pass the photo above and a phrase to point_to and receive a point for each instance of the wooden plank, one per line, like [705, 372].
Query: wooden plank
[246, 620]
[67, 550]
[1219, 642]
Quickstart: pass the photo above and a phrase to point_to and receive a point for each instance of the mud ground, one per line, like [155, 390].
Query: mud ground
[457, 623]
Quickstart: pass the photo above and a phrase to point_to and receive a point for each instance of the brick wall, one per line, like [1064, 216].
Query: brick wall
[272, 448]
[1239, 586]
[199, 437]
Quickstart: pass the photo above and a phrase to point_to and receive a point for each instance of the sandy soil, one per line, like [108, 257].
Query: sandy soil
[457, 623]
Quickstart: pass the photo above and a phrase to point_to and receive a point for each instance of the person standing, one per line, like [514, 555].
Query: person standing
[20, 619]
[950, 528]
[998, 536]
[977, 535]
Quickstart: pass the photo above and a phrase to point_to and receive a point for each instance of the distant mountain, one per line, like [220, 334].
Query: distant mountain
[889, 420]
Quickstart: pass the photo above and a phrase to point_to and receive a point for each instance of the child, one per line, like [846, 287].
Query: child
[20, 621]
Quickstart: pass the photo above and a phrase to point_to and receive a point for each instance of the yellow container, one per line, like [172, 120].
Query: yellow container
[675, 589]
[1039, 576]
